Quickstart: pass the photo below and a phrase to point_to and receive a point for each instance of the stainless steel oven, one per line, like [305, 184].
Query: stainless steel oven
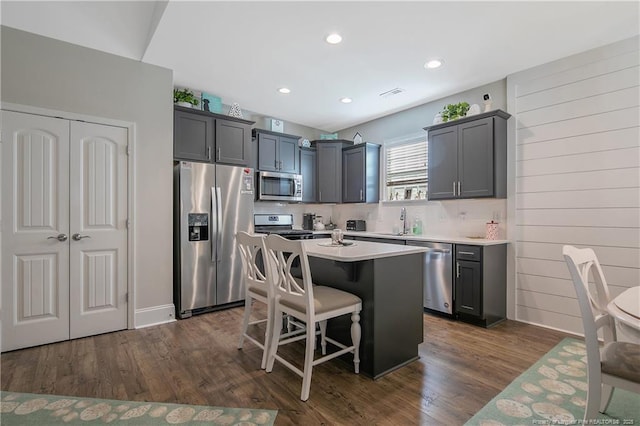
[274, 186]
[280, 224]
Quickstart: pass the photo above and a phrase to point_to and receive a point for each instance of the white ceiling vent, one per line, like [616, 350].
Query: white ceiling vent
[391, 92]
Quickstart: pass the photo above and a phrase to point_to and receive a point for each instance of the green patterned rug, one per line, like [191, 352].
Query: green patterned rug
[33, 409]
[553, 391]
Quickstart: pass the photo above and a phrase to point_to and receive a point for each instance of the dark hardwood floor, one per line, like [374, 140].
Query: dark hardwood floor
[195, 361]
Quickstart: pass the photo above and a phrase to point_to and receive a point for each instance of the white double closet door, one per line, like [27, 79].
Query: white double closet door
[64, 229]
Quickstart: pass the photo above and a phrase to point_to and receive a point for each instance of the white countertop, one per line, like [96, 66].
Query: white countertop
[360, 250]
[434, 238]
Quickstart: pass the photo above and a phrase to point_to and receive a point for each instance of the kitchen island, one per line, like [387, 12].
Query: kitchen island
[388, 279]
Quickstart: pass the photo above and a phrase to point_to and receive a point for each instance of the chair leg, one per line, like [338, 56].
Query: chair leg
[323, 336]
[275, 337]
[593, 398]
[267, 335]
[308, 363]
[355, 338]
[605, 399]
[289, 325]
[245, 320]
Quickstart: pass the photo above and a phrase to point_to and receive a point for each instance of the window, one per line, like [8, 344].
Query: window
[406, 169]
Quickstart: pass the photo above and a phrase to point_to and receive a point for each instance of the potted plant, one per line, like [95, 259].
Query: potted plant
[185, 98]
[453, 111]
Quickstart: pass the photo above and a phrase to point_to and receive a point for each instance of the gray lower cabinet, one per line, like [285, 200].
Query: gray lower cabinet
[207, 137]
[480, 283]
[308, 170]
[277, 152]
[468, 157]
[329, 156]
[360, 173]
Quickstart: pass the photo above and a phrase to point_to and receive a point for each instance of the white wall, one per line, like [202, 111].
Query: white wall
[576, 177]
[45, 73]
[446, 218]
[413, 120]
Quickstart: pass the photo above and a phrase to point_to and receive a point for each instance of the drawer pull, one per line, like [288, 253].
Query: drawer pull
[470, 253]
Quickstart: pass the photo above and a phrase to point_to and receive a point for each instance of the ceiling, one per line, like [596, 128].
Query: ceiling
[244, 51]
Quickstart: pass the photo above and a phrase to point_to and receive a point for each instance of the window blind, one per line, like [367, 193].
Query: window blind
[407, 163]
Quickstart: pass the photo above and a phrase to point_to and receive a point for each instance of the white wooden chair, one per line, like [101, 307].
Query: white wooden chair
[311, 304]
[616, 364]
[256, 288]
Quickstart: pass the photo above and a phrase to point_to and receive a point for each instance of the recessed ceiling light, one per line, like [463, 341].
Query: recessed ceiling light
[433, 63]
[333, 38]
[346, 100]
[284, 90]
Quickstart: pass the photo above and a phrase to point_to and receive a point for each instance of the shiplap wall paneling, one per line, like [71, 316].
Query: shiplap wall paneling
[577, 140]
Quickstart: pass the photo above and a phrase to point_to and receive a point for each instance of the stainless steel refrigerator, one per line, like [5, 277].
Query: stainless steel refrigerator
[212, 202]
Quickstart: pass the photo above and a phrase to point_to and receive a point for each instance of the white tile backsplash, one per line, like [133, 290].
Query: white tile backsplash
[324, 210]
[456, 218]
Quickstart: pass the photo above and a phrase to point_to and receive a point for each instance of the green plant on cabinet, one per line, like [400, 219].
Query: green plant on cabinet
[454, 111]
[185, 95]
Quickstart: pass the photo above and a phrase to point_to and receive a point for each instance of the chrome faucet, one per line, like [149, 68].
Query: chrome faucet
[403, 218]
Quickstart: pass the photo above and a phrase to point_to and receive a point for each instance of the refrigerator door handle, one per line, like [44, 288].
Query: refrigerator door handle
[218, 220]
[214, 231]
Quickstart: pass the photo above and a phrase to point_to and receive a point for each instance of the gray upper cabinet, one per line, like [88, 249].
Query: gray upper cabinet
[468, 157]
[308, 169]
[330, 170]
[208, 137]
[277, 152]
[360, 173]
[268, 152]
[443, 163]
[289, 154]
[193, 136]
[233, 143]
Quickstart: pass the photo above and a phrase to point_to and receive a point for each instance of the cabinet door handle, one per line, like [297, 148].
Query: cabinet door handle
[361, 195]
[457, 270]
[276, 166]
[208, 153]
[280, 165]
[458, 188]
[218, 154]
[320, 196]
[454, 188]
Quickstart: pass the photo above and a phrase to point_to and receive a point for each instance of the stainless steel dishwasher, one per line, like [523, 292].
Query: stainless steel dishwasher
[438, 275]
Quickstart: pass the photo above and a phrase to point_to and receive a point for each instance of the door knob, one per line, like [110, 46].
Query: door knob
[78, 237]
[60, 237]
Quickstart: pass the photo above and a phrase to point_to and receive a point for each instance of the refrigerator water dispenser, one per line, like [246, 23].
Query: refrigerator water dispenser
[198, 226]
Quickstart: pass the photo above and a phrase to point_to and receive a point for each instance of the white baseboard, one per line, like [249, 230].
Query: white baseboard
[155, 315]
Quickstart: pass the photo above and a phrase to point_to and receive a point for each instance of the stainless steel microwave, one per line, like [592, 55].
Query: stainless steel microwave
[274, 186]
